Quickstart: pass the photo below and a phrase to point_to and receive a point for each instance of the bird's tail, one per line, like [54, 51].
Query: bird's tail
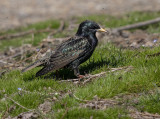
[33, 65]
[45, 70]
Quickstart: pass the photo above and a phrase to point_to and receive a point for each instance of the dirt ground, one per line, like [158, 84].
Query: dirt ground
[14, 13]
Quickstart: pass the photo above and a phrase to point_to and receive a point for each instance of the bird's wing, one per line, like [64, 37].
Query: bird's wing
[67, 52]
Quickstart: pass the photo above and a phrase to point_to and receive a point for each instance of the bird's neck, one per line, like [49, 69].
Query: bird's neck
[93, 40]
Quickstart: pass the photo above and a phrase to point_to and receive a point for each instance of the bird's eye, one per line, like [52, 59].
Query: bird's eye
[95, 27]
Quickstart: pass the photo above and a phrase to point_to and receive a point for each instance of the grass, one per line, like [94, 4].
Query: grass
[130, 18]
[31, 39]
[105, 20]
[141, 78]
[111, 113]
[149, 101]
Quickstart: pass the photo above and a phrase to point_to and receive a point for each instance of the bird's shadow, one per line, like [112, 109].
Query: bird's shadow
[65, 73]
[84, 69]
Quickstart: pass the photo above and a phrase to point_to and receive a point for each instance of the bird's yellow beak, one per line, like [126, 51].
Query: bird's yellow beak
[102, 30]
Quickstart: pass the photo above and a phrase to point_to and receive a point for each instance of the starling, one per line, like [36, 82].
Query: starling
[73, 52]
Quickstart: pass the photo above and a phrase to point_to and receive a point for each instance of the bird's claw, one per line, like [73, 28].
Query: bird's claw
[81, 76]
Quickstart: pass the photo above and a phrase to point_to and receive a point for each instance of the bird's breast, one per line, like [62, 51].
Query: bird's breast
[93, 41]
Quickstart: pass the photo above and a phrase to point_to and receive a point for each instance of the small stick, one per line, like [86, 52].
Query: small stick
[79, 99]
[15, 35]
[40, 93]
[65, 111]
[18, 104]
[34, 55]
[94, 76]
[136, 25]
[154, 55]
[145, 115]
[18, 54]
[90, 77]
[91, 117]
[150, 115]
[70, 80]
[5, 113]
[104, 73]
[13, 56]
[60, 29]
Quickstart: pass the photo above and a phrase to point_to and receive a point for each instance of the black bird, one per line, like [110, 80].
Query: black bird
[72, 52]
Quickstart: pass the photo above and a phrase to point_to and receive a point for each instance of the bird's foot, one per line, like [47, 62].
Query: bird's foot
[81, 76]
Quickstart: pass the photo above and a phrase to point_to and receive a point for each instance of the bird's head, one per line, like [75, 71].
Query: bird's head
[89, 27]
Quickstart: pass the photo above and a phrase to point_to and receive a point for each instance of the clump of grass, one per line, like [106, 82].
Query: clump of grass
[114, 113]
[150, 102]
[104, 57]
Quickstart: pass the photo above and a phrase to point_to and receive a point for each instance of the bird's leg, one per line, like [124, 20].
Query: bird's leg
[81, 76]
[57, 74]
[75, 65]
[76, 73]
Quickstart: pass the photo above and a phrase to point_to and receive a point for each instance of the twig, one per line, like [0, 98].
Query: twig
[60, 29]
[18, 104]
[94, 76]
[90, 77]
[41, 114]
[19, 53]
[104, 73]
[120, 68]
[7, 64]
[62, 26]
[32, 56]
[38, 53]
[4, 62]
[136, 25]
[154, 55]
[33, 31]
[13, 56]
[151, 115]
[143, 115]
[91, 117]
[71, 80]
[79, 99]
[65, 111]
[5, 113]
[40, 93]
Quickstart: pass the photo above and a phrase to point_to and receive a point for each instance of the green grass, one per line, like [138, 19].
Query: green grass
[111, 113]
[141, 78]
[145, 73]
[149, 102]
[130, 18]
[105, 20]
[31, 39]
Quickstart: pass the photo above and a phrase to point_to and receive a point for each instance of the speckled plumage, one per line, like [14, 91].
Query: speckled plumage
[72, 52]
